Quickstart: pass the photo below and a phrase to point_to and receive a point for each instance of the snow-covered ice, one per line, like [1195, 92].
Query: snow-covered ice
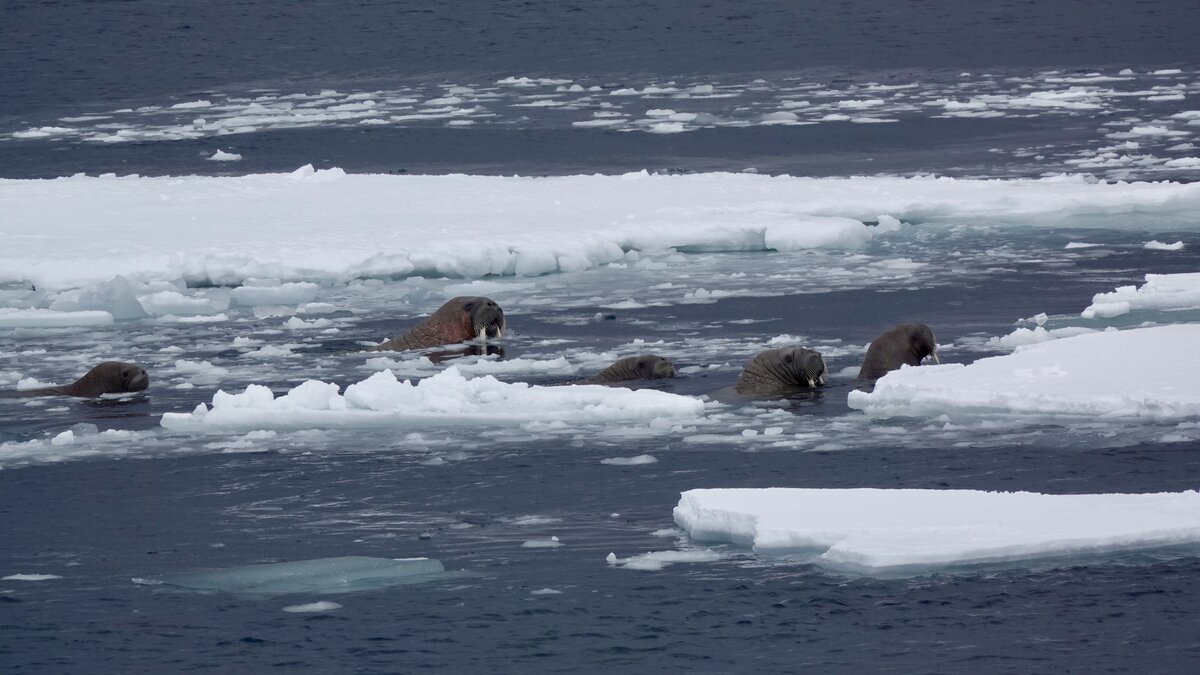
[1146, 373]
[447, 397]
[878, 531]
[326, 226]
[1165, 292]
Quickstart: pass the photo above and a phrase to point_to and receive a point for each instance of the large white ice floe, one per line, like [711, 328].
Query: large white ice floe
[878, 531]
[327, 226]
[1166, 292]
[1147, 373]
[322, 575]
[445, 398]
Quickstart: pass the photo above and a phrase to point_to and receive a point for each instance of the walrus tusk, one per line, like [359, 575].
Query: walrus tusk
[933, 355]
[483, 334]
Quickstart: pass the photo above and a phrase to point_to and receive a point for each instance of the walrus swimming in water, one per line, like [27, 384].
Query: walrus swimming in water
[907, 343]
[459, 320]
[642, 367]
[781, 371]
[110, 377]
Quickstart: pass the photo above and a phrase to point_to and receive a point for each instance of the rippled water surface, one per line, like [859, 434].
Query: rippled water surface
[982, 89]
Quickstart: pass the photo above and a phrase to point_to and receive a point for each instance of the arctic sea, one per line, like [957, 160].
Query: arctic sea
[240, 200]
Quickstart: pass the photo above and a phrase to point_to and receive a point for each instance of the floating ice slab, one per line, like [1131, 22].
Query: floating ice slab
[873, 531]
[322, 576]
[445, 398]
[71, 232]
[1142, 373]
[1161, 291]
[47, 318]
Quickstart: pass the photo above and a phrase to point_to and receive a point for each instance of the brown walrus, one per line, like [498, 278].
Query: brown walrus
[110, 377]
[642, 367]
[460, 319]
[782, 371]
[907, 343]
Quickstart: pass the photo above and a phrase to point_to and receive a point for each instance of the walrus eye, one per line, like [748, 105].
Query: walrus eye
[787, 359]
[468, 307]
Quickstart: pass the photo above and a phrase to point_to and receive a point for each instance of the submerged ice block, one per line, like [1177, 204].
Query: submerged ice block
[321, 575]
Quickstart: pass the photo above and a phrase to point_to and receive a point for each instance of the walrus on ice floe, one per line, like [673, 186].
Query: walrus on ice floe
[778, 372]
[641, 367]
[110, 377]
[907, 343]
[460, 319]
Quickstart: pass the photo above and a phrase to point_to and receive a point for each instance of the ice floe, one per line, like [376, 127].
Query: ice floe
[1146, 373]
[445, 398]
[1160, 291]
[879, 531]
[321, 576]
[74, 232]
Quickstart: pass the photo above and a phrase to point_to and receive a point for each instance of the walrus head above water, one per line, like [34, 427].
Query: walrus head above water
[777, 371]
[906, 344]
[460, 319]
[642, 367]
[110, 377]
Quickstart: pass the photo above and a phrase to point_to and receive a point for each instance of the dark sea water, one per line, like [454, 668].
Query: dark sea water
[174, 503]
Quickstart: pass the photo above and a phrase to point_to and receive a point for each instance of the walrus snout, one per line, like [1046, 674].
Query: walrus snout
[487, 318]
[139, 380]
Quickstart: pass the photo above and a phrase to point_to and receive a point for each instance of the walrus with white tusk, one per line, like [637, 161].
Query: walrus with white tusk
[778, 372]
[459, 320]
[907, 343]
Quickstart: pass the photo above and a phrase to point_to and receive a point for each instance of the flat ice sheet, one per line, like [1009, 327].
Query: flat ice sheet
[322, 575]
[445, 398]
[1147, 373]
[327, 226]
[874, 531]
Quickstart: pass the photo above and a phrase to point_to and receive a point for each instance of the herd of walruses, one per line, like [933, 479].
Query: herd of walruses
[772, 373]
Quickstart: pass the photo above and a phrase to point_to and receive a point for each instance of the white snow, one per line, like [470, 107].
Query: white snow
[448, 397]
[1146, 373]
[327, 226]
[1026, 336]
[875, 531]
[1161, 292]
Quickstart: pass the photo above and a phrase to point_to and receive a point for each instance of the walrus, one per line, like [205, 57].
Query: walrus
[907, 343]
[782, 371]
[642, 367]
[460, 319]
[110, 377]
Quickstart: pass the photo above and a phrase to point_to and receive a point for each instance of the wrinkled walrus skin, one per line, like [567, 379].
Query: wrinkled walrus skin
[642, 367]
[907, 343]
[110, 377]
[459, 320]
[777, 372]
